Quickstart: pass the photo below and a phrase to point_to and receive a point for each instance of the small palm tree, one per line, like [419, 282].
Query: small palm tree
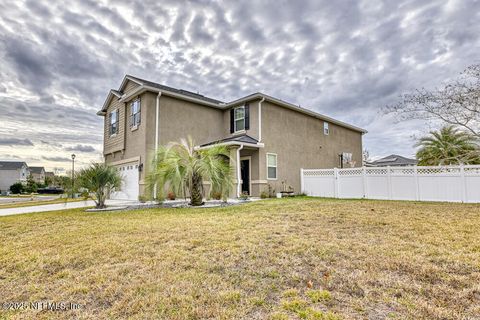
[448, 146]
[180, 167]
[101, 179]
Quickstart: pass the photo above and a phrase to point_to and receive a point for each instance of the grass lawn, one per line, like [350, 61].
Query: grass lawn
[278, 259]
[37, 202]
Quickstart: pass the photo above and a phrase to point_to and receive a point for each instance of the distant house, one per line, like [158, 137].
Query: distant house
[51, 176]
[393, 160]
[12, 172]
[38, 174]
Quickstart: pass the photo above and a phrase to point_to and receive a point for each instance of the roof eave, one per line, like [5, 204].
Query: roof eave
[232, 143]
[288, 105]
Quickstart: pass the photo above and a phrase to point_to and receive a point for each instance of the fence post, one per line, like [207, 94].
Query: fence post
[417, 188]
[463, 182]
[335, 172]
[302, 182]
[364, 180]
[389, 182]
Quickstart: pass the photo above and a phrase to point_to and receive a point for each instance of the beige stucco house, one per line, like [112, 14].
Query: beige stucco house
[270, 139]
[38, 174]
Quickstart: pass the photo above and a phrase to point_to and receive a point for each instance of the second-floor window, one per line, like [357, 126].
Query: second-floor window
[114, 122]
[135, 114]
[326, 130]
[239, 119]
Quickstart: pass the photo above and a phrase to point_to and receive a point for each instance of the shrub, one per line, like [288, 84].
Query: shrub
[244, 196]
[31, 186]
[263, 195]
[17, 188]
[142, 198]
[171, 195]
[216, 195]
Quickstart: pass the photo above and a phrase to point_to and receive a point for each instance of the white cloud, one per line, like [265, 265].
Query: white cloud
[342, 58]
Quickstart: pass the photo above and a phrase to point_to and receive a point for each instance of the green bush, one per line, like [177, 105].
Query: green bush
[17, 188]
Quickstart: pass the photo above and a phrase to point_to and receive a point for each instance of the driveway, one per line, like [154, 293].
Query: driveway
[61, 206]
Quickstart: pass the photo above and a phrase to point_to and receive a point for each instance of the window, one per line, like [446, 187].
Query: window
[326, 130]
[113, 129]
[135, 113]
[271, 166]
[239, 118]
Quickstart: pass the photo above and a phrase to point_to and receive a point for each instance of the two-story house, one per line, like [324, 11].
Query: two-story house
[270, 139]
[12, 172]
[38, 174]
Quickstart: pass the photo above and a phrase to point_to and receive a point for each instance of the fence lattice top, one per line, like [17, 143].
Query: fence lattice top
[395, 171]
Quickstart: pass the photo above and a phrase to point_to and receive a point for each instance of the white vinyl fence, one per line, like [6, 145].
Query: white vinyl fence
[449, 183]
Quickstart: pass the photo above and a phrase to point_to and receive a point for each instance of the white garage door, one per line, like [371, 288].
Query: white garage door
[129, 188]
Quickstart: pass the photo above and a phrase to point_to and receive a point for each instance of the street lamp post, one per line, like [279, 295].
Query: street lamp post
[73, 173]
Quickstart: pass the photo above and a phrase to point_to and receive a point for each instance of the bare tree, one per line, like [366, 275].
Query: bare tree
[457, 103]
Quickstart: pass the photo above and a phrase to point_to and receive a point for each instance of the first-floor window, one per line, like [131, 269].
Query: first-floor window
[271, 166]
[135, 113]
[114, 120]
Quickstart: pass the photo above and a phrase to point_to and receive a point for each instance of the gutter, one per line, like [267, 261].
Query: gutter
[260, 119]
[157, 121]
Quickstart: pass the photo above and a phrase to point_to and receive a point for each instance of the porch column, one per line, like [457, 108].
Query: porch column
[233, 165]
[239, 173]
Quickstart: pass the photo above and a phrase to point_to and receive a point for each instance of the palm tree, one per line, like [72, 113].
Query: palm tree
[180, 167]
[101, 179]
[448, 146]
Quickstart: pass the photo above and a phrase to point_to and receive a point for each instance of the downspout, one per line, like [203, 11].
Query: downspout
[260, 119]
[157, 120]
[239, 174]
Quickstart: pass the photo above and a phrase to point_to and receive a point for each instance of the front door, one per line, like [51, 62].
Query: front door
[245, 173]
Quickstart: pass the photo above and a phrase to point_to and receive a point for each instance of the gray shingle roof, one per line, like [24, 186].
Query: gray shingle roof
[174, 90]
[11, 165]
[394, 160]
[244, 138]
[36, 169]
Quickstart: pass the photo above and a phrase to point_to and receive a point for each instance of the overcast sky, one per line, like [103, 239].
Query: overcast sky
[345, 59]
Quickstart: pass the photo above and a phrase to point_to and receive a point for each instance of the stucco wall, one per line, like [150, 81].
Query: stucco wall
[253, 131]
[299, 142]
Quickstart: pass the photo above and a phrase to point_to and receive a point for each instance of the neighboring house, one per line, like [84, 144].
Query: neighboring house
[270, 139]
[51, 177]
[38, 174]
[12, 172]
[392, 160]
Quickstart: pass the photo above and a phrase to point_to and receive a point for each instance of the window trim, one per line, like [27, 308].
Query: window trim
[117, 122]
[133, 125]
[326, 128]
[276, 165]
[235, 130]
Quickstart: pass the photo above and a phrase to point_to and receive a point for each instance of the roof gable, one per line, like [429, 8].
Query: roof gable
[12, 165]
[38, 170]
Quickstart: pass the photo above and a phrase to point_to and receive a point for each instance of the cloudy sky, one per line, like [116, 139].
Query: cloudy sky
[345, 59]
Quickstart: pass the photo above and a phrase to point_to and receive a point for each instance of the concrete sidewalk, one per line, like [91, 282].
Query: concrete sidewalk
[61, 206]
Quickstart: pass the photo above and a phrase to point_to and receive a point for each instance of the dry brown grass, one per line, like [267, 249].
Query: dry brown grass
[279, 259]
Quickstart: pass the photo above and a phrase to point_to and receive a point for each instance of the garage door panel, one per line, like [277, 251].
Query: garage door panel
[129, 189]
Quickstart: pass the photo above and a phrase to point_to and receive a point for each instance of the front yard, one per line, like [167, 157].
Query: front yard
[279, 259]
